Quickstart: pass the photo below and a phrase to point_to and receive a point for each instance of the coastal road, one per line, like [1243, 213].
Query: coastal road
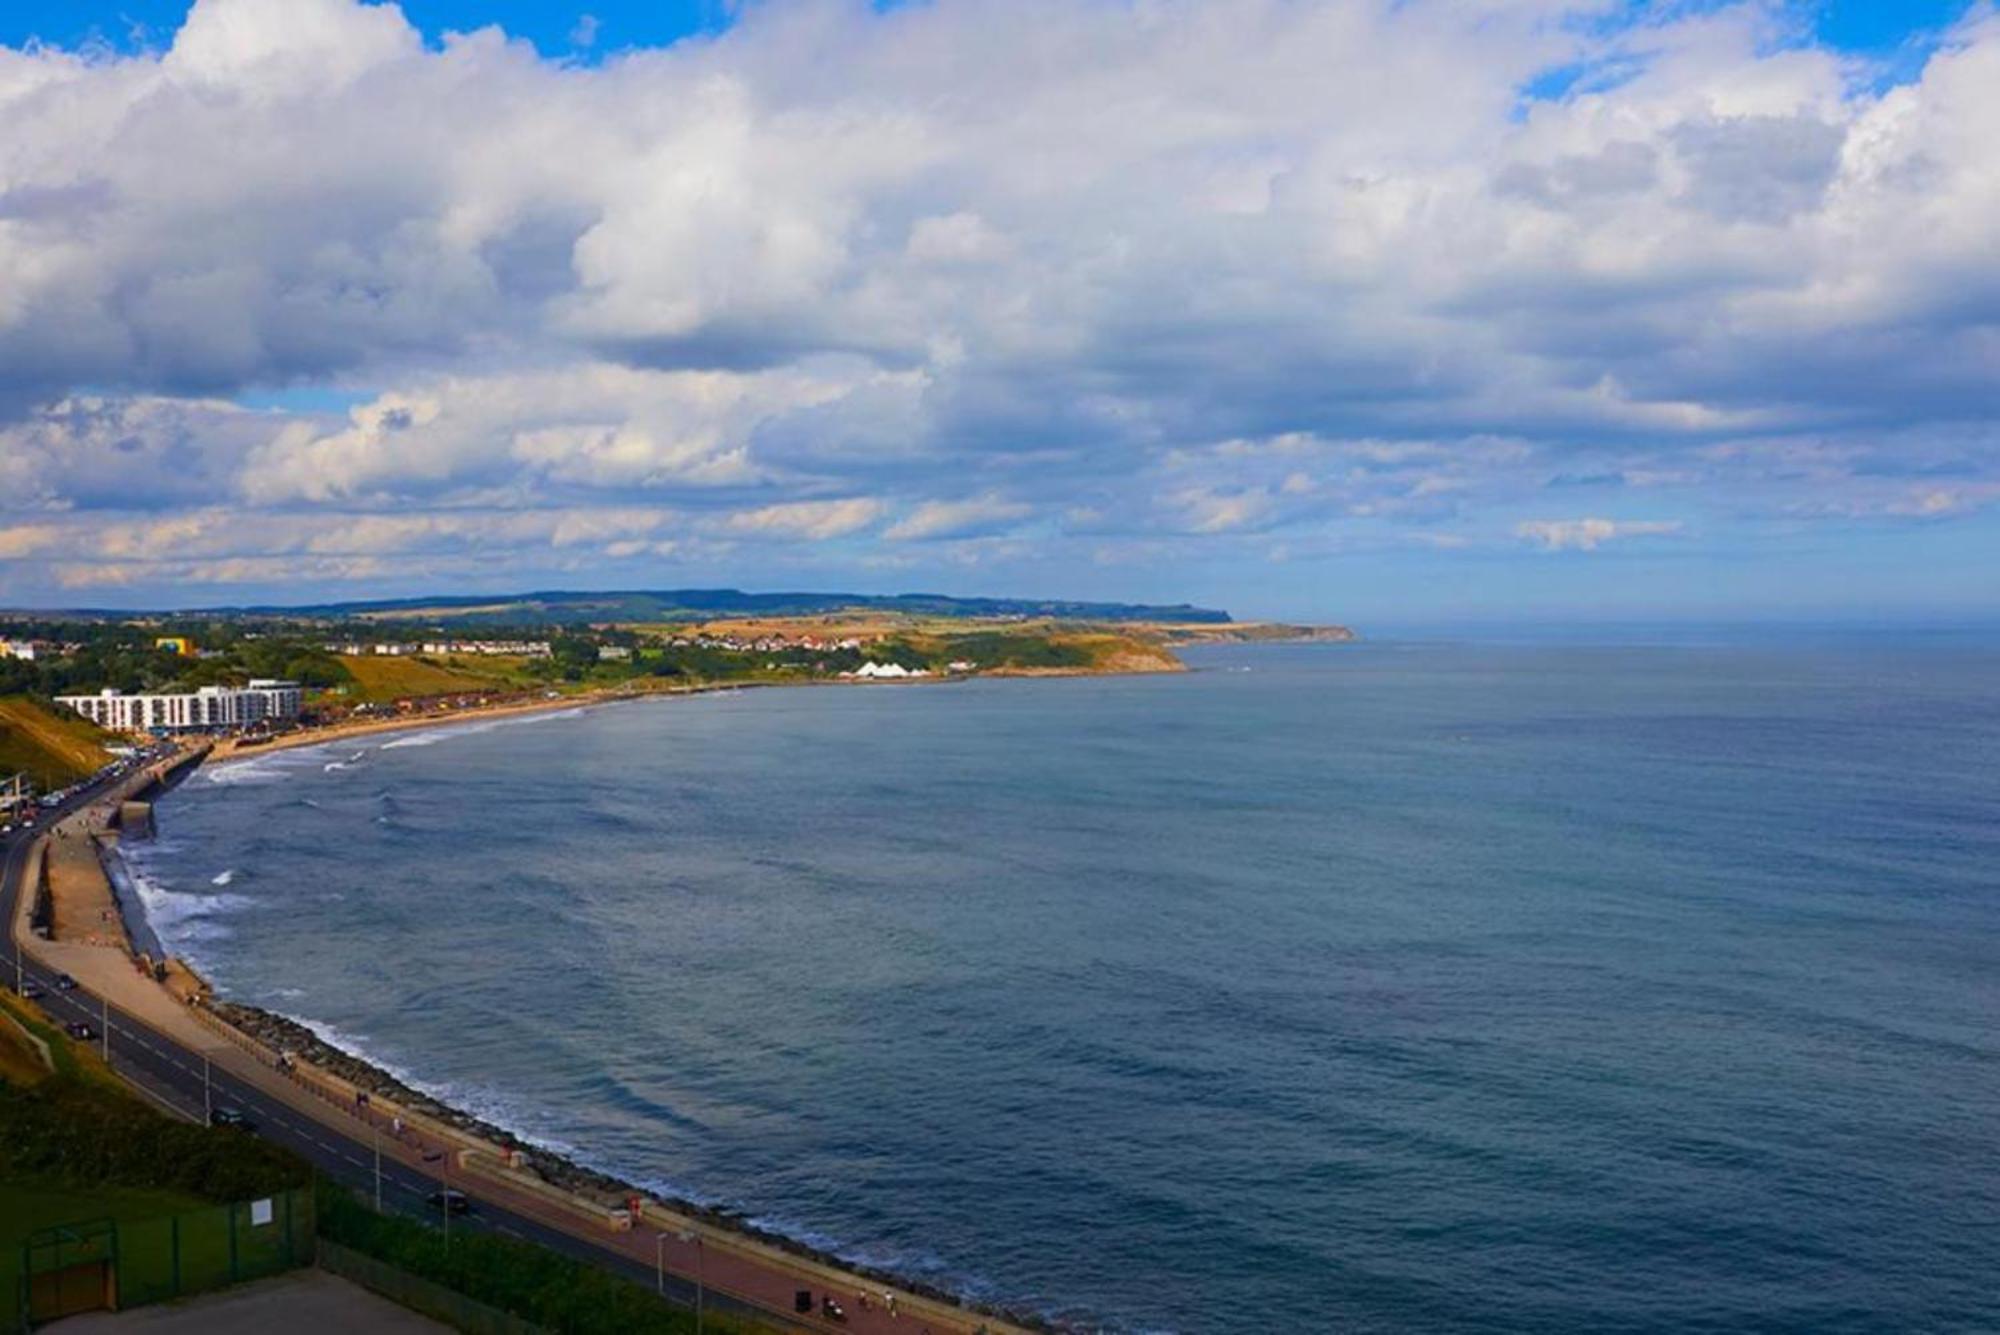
[179, 1077]
[187, 1084]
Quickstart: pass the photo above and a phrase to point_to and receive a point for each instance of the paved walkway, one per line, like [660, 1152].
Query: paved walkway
[727, 1263]
[306, 1302]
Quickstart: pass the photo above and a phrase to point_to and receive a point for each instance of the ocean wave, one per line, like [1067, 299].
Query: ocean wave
[182, 919]
[224, 877]
[432, 736]
[511, 1114]
[259, 769]
[534, 1127]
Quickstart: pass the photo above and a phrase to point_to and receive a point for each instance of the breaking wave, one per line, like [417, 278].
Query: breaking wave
[432, 736]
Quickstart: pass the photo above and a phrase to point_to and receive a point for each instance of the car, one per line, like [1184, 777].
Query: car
[32, 992]
[233, 1118]
[65, 983]
[80, 1030]
[451, 1201]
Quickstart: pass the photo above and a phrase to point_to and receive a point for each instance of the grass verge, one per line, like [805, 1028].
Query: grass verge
[526, 1280]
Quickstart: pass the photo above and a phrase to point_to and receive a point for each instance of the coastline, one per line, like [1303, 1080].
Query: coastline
[305, 1044]
[232, 749]
[300, 1039]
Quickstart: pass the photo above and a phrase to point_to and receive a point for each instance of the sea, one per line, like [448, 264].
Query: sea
[1428, 985]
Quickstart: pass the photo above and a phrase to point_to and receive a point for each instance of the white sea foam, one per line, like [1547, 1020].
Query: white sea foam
[432, 736]
[224, 877]
[260, 769]
[182, 920]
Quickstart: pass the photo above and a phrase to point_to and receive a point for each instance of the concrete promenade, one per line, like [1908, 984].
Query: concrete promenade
[190, 1059]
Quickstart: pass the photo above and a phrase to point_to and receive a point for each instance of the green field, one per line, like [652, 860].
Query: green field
[379, 678]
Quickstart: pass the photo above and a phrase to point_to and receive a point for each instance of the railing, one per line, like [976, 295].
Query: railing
[486, 1161]
[419, 1294]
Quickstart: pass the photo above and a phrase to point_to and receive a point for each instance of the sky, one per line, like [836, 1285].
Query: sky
[1367, 310]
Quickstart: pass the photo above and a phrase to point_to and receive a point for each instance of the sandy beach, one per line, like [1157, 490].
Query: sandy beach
[234, 748]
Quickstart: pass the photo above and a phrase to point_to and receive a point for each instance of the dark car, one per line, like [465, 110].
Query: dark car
[65, 983]
[32, 991]
[451, 1201]
[79, 1029]
[232, 1118]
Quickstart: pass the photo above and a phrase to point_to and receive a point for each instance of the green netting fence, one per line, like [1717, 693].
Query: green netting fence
[418, 1294]
[136, 1262]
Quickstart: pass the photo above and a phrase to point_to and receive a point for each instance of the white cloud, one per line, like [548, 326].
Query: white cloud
[1587, 535]
[952, 519]
[1192, 271]
[816, 520]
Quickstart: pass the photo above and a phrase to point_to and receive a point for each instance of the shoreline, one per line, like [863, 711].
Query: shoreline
[299, 1037]
[233, 749]
[304, 1042]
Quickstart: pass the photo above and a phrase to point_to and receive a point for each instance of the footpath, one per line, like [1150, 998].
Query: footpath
[95, 952]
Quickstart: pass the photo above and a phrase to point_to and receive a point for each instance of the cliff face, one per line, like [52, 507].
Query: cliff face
[1267, 632]
[1119, 653]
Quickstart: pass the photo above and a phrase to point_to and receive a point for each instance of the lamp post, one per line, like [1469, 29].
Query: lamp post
[690, 1235]
[207, 1103]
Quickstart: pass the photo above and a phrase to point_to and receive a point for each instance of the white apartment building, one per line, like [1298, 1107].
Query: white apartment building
[209, 709]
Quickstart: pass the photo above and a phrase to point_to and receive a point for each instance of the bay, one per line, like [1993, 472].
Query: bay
[1386, 986]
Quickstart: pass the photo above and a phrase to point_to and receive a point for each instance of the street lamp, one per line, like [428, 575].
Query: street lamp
[689, 1235]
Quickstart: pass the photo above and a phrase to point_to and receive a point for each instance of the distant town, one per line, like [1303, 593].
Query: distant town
[79, 691]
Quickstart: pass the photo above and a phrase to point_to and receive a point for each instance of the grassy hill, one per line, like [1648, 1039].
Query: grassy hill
[52, 750]
[381, 677]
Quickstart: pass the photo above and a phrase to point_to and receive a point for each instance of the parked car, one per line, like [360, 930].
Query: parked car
[232, 1118]
[451, 1201]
